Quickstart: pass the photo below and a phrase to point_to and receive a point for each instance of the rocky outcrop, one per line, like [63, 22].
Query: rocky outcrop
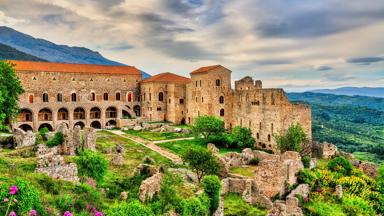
[289, 207]
[23, 139]
[370, 169]
[150, 187]
[302, 190]
[52, 164]
[212, 148]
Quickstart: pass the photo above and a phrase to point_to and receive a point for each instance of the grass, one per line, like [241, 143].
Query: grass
[366, 156]
[234, 205]
[244, 171]
[156, 136]
[179, 147]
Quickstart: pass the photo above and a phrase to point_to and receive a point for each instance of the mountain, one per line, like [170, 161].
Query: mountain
[351, 91]
[52, 52]
[7, 52]
[353, 123]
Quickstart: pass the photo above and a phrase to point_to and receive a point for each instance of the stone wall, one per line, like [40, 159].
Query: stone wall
[23, 139]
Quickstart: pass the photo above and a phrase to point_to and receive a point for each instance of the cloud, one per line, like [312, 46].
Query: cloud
[365, 60]
[323, 68]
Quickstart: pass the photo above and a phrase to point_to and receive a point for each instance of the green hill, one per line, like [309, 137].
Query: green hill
[353, 123]
[10, 53]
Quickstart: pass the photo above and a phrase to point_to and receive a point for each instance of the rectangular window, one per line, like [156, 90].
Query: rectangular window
[158, 108]
[181, 101]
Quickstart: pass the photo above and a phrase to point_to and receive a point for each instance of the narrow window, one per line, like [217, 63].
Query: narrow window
[117, 96]
[129, 96]
[181, 101]
[196, 83]
[272, 128]
[218, 82]
[59, 97]
[202, 100]
[161, 96]
[150, 96]
[93, 96]
[30, 98]
[257, 136]
[105, 96]
[221, 99]
[269, 137]
[73, 97]
[200, 83]
[222, 112]
[45, 97]
[169, 100]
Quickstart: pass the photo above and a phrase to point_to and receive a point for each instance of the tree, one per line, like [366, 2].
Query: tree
[201, 161]
[92, 164]
[10, 89]
[292, 139]
[212, 185]
[207, 126]
[242, 137]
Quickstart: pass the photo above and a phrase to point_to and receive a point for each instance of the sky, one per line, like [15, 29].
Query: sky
[293, 44]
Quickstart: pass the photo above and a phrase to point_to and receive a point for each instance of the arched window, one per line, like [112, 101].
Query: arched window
[105, 96]
[129, 97]
[218, 82]
[59, 97]
[222, 112]
[79, 113]
[93, 96]
[221, 99]
[74, 97]
[161, 96]
[117, 96]
[30, 98]
[111, 112]
[45, 97]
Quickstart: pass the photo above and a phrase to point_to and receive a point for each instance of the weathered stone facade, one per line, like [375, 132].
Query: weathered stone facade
[23, 139]
[100, 96]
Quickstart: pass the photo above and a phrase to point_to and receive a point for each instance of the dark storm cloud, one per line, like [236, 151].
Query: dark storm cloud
[324, 68]
[365, 60]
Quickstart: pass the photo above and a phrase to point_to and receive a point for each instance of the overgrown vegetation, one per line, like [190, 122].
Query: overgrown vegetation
[292, 140]
[92, 164]
[234, 205]
[207, 126]
[201, 161]
[56, 140]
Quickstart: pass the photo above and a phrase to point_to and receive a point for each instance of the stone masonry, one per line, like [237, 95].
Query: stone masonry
[23, 139]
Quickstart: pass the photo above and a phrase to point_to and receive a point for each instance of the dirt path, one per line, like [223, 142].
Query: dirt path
[152, 145]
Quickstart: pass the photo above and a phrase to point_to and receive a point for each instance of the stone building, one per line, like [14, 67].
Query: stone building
[96, 96]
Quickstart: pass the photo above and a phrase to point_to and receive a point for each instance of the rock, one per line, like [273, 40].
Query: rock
[301, 190]
[247, 155]
[223, 167]
[120, 149]
[370, 169]
[124, 195]
[324, 150]
[118, 160]
[178, 130]
[212, 148]
[150, 187]
[108, 150]
[23, 139]
[313, 163]
[137, 128]
[233, 159]
[339, 192]
[186, 131]
[89, 138]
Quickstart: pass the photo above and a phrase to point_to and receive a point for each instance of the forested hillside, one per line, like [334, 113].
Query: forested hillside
[7, 52]
[353, 123]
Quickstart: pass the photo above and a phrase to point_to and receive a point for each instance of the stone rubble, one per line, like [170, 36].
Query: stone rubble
[23, 139]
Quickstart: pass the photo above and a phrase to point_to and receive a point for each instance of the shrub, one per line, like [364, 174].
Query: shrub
[321, 208]
[43, 132]
[380, 179]
[306, 161]
[325, 178]
[201, 161]
[340, 165]
[85, 192]
[241, 137]
[92, 164]
[195, 206]
[208, 125]
[254, 161]
[354, 185]
[64, 203]
[292, 139]
[56, 140]
[305, 176]
[27, 196]
[220, 140]
[168, 196]
[49, 185]
[354, 205]
[234, 205]
[212, 185]
[133, 208]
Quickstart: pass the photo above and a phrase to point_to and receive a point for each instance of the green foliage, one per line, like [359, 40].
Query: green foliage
[354, 185]
[241, 137]
[64, 203]
[292, 140]
[195, 206]
[234, 205]
[212, 185]
[27, 196]
[321, 208]
[201, 161]
[56, 140]
[306, 161]
[133, 208]
[208, 125]
[50, 185]
[92, 164]
[380, 179]
[353, 205]
[305, 176]
[10, 89]
[168, 196]
[340, 165]
[43, 133]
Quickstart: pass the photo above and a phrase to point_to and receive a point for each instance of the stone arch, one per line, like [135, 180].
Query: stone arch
[126, 114]
[80, 123]
[111, 112]
[45, 114]
[47, 125]
[137, 110]
[111, 123]
[96, 124]
[62, 114]
[25, 115]
[79, 113]
[95, 113]
[26, 127]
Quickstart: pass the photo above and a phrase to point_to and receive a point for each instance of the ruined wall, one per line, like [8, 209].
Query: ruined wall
[36, 83]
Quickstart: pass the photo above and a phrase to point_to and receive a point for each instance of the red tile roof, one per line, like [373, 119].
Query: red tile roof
[167, 77]
[74, 68]
[205, 69]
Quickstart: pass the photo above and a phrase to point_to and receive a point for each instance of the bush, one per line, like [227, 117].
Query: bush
[27, 197]
[195, 206]
[212, 185]
[354, 185]
[49, 185]
[133, 208]
[306, 161]
[305, 176]
[56, 140]
[340, 165]
[168, 196]
[43, 132]
[292, 139]
[320, 208]
[64, 203]
[86, 193]
[234, 205]
[222, 140]
[254, 161]
[92, 164]
[207, 126]
[354, 205]
[241, 137]
[201, 161]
